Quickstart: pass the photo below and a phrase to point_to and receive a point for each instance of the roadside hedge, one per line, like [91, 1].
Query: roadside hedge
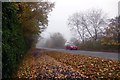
[13, 43]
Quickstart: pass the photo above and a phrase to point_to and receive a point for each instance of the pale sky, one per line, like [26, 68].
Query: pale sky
[65, 8]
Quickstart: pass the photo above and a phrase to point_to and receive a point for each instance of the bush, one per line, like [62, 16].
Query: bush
[98, 46]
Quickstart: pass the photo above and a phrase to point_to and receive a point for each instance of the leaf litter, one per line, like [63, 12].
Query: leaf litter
[44, 65]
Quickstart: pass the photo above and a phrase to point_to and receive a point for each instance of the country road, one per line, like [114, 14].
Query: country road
[107, 55]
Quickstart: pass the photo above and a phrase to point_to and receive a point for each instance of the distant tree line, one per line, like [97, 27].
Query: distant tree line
[94, 31]
[56, 40]
[22, 22]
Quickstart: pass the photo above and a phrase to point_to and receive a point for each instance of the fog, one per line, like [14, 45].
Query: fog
[65, 8]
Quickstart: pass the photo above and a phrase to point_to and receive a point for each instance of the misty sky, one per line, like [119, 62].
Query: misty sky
[65, 8]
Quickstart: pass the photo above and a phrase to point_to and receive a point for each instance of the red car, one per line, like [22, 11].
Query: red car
[71, 47]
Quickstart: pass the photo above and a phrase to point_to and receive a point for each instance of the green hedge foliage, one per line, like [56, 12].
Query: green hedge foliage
[13, 43]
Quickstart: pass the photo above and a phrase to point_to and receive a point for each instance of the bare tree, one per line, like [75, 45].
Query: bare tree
[97, 21]
[74, 22]
[88, 24]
